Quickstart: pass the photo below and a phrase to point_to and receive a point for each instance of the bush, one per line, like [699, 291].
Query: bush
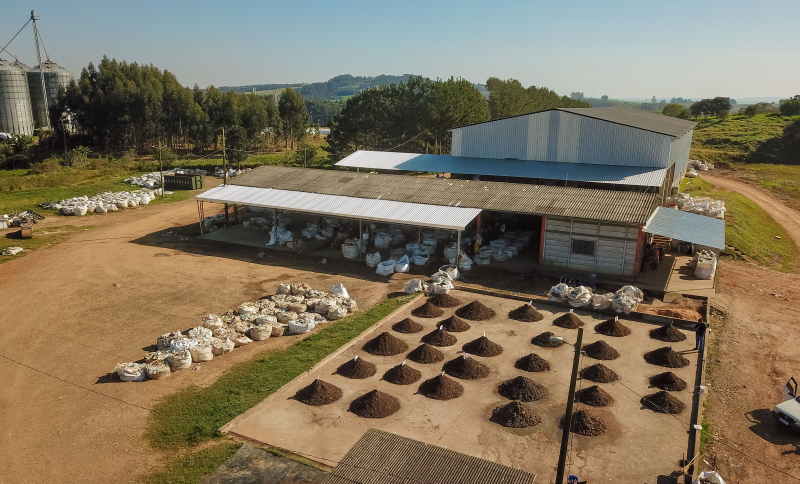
[50, 165]
[167, 157]
[77, 157]
[790, 107]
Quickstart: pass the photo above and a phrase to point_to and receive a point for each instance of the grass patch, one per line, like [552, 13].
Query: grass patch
[737, 139]
[42, 237]
[194, 415]
[750, 232]
[192, 466]
[705, 437]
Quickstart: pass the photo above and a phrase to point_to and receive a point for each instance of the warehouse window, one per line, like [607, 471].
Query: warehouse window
[583, 247]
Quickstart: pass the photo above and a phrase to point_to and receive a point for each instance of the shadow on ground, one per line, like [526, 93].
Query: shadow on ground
[251, 465]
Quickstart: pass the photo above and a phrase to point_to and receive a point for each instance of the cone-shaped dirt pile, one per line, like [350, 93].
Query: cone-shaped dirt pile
[375, 404]
[599, 373]
[522, 389]
[444, 301]
[482, 346]
[569, 321]
[426, 354]
[356, 368]
[453, 324]
[666, 357]
[612, 327]
[441, 387]
[526, 313]
[402, 375]
[668, 333]
[663, 402]
[544, 340]
[407, 326]
[319, 393]
[427, 310]
[385, 345]
[515, 415]
[532, 362]
[439, 337]
[594, 396]
[586, 423]
[668, 381]
[466, 368]
[475, 311]
[600, 350]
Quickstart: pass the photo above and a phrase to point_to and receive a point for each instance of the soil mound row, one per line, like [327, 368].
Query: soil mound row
[666, 357]
[425, 354]
[515, 415]
[586, 423]
[668, 381]
[525, 313]
[427, 310]
[475, 311]
[385, 344]
[594, 396]
[668, 333]
[532, 362]
[357, 368]
[612, 327]
[375, 404]
[402, 375]
[444, 301]
[454, 324]
[663, 402]
[522, 389]
[319, 393]
[407, 326]
[441, 388]
[544, 340]
[439, 337]
[482, 346]
[466, 368]
[599, 373]
[600, 350]
[569, 320]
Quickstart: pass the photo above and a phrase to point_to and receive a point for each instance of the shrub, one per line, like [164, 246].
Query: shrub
[50, 165]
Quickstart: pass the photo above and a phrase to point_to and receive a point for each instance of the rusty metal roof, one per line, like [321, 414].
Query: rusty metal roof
[612, 206]
[381, 457]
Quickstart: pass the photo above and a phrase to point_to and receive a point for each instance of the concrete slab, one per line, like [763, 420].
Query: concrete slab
[251, 465]
[639, 446]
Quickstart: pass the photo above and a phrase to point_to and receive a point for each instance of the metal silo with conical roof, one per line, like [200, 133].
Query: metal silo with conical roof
[54, 76]
[15, 100]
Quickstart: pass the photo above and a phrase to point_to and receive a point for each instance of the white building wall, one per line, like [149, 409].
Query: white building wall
[679, 155]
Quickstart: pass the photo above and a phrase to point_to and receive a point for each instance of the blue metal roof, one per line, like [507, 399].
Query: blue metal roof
[687, 227]
[547, 170]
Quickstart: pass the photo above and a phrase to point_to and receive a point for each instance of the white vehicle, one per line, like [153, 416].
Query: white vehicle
[788, 412]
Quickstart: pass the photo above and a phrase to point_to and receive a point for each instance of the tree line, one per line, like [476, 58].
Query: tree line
[121, 106]
[415, 116]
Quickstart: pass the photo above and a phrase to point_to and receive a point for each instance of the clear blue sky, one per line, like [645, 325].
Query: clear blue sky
[626, 49]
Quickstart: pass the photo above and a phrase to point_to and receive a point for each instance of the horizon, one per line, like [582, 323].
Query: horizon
[207, 44]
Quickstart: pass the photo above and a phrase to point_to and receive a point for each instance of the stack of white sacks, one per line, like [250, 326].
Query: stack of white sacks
[295, 309]
[624, 300]
[699, 205]
[105, 202]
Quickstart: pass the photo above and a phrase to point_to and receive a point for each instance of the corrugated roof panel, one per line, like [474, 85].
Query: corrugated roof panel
[454, 218]
[547, 170]
[612, 206]
[687, 227]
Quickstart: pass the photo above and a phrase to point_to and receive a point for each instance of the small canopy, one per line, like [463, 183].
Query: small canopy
[438, 216]
[687, 227]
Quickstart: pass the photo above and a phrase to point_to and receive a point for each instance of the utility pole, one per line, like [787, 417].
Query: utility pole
[46, 120]
[161, 168]
[562, 457]
[224, 167]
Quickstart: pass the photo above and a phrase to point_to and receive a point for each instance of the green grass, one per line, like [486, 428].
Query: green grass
[42, 237]
[192, 466]
[741, 139]
[705, 437]
[194, 415]
[749, 229]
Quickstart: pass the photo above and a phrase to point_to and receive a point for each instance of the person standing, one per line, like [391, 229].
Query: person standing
[700, 335]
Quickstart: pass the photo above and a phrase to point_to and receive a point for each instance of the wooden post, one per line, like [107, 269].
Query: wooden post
[562, 457]
[200, 214]
[541, 240]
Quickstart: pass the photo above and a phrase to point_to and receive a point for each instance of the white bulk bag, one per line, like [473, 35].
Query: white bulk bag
[130, 371]
[339, 290]
[221, 346]
[212, 322]
[248, 308]
[200, 332]
[350, 250]
[336, 312]
[482, 259]
[201, 352]
[440, 276]
[286, 316]
[382, 240]
[373, 259]
[265, 319]
[558, 292]
[442, 287]
[182, 344]
[450, 252]
[412, 286]
[402, 265]
[284, 289]
[579, 296]
[349, 304]
[421, 258]
[156, 370]
[241, 340]
[179, 360]
[301, 326]
[163, 342]
[260, 332]
[385, 268]
[411, 248]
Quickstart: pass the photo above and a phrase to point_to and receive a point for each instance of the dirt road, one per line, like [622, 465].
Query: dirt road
[789, 218]
[73, 311]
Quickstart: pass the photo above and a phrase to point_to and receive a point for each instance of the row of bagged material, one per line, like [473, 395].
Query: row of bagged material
[624, 300]
[699, 205]
[103, 202]
[294, 309]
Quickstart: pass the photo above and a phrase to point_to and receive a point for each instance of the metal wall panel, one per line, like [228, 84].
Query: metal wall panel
[615, 246]
[679, 155]
[455, 148]
[15, 103]
[504, 138]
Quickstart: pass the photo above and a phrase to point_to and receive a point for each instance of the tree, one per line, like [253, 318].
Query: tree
[759, 108]
[509, 98]
[791, 106]
[237, 145]
[576, 95]
[294, 116]
[604, 97]
[720, 106]
[675, 110]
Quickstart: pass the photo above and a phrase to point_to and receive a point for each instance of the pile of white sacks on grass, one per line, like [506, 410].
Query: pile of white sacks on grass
[295, 309]
[104, 202]
[624, 300]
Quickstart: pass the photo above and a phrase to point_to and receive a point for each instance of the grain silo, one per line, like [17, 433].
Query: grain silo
[15, 101]
[54, 76]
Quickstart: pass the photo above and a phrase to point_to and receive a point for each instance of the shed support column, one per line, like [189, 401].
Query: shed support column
[639, 247]
[360, 238]
[236, 213]
[200, 215]
[275, 223]
[226, 216]
[458, 248]
[478, 235]
[541, 240]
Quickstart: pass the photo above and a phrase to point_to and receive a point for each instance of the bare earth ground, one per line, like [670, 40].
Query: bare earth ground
[77, 309]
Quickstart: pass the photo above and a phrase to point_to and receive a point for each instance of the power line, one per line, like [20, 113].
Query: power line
[12, 40]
